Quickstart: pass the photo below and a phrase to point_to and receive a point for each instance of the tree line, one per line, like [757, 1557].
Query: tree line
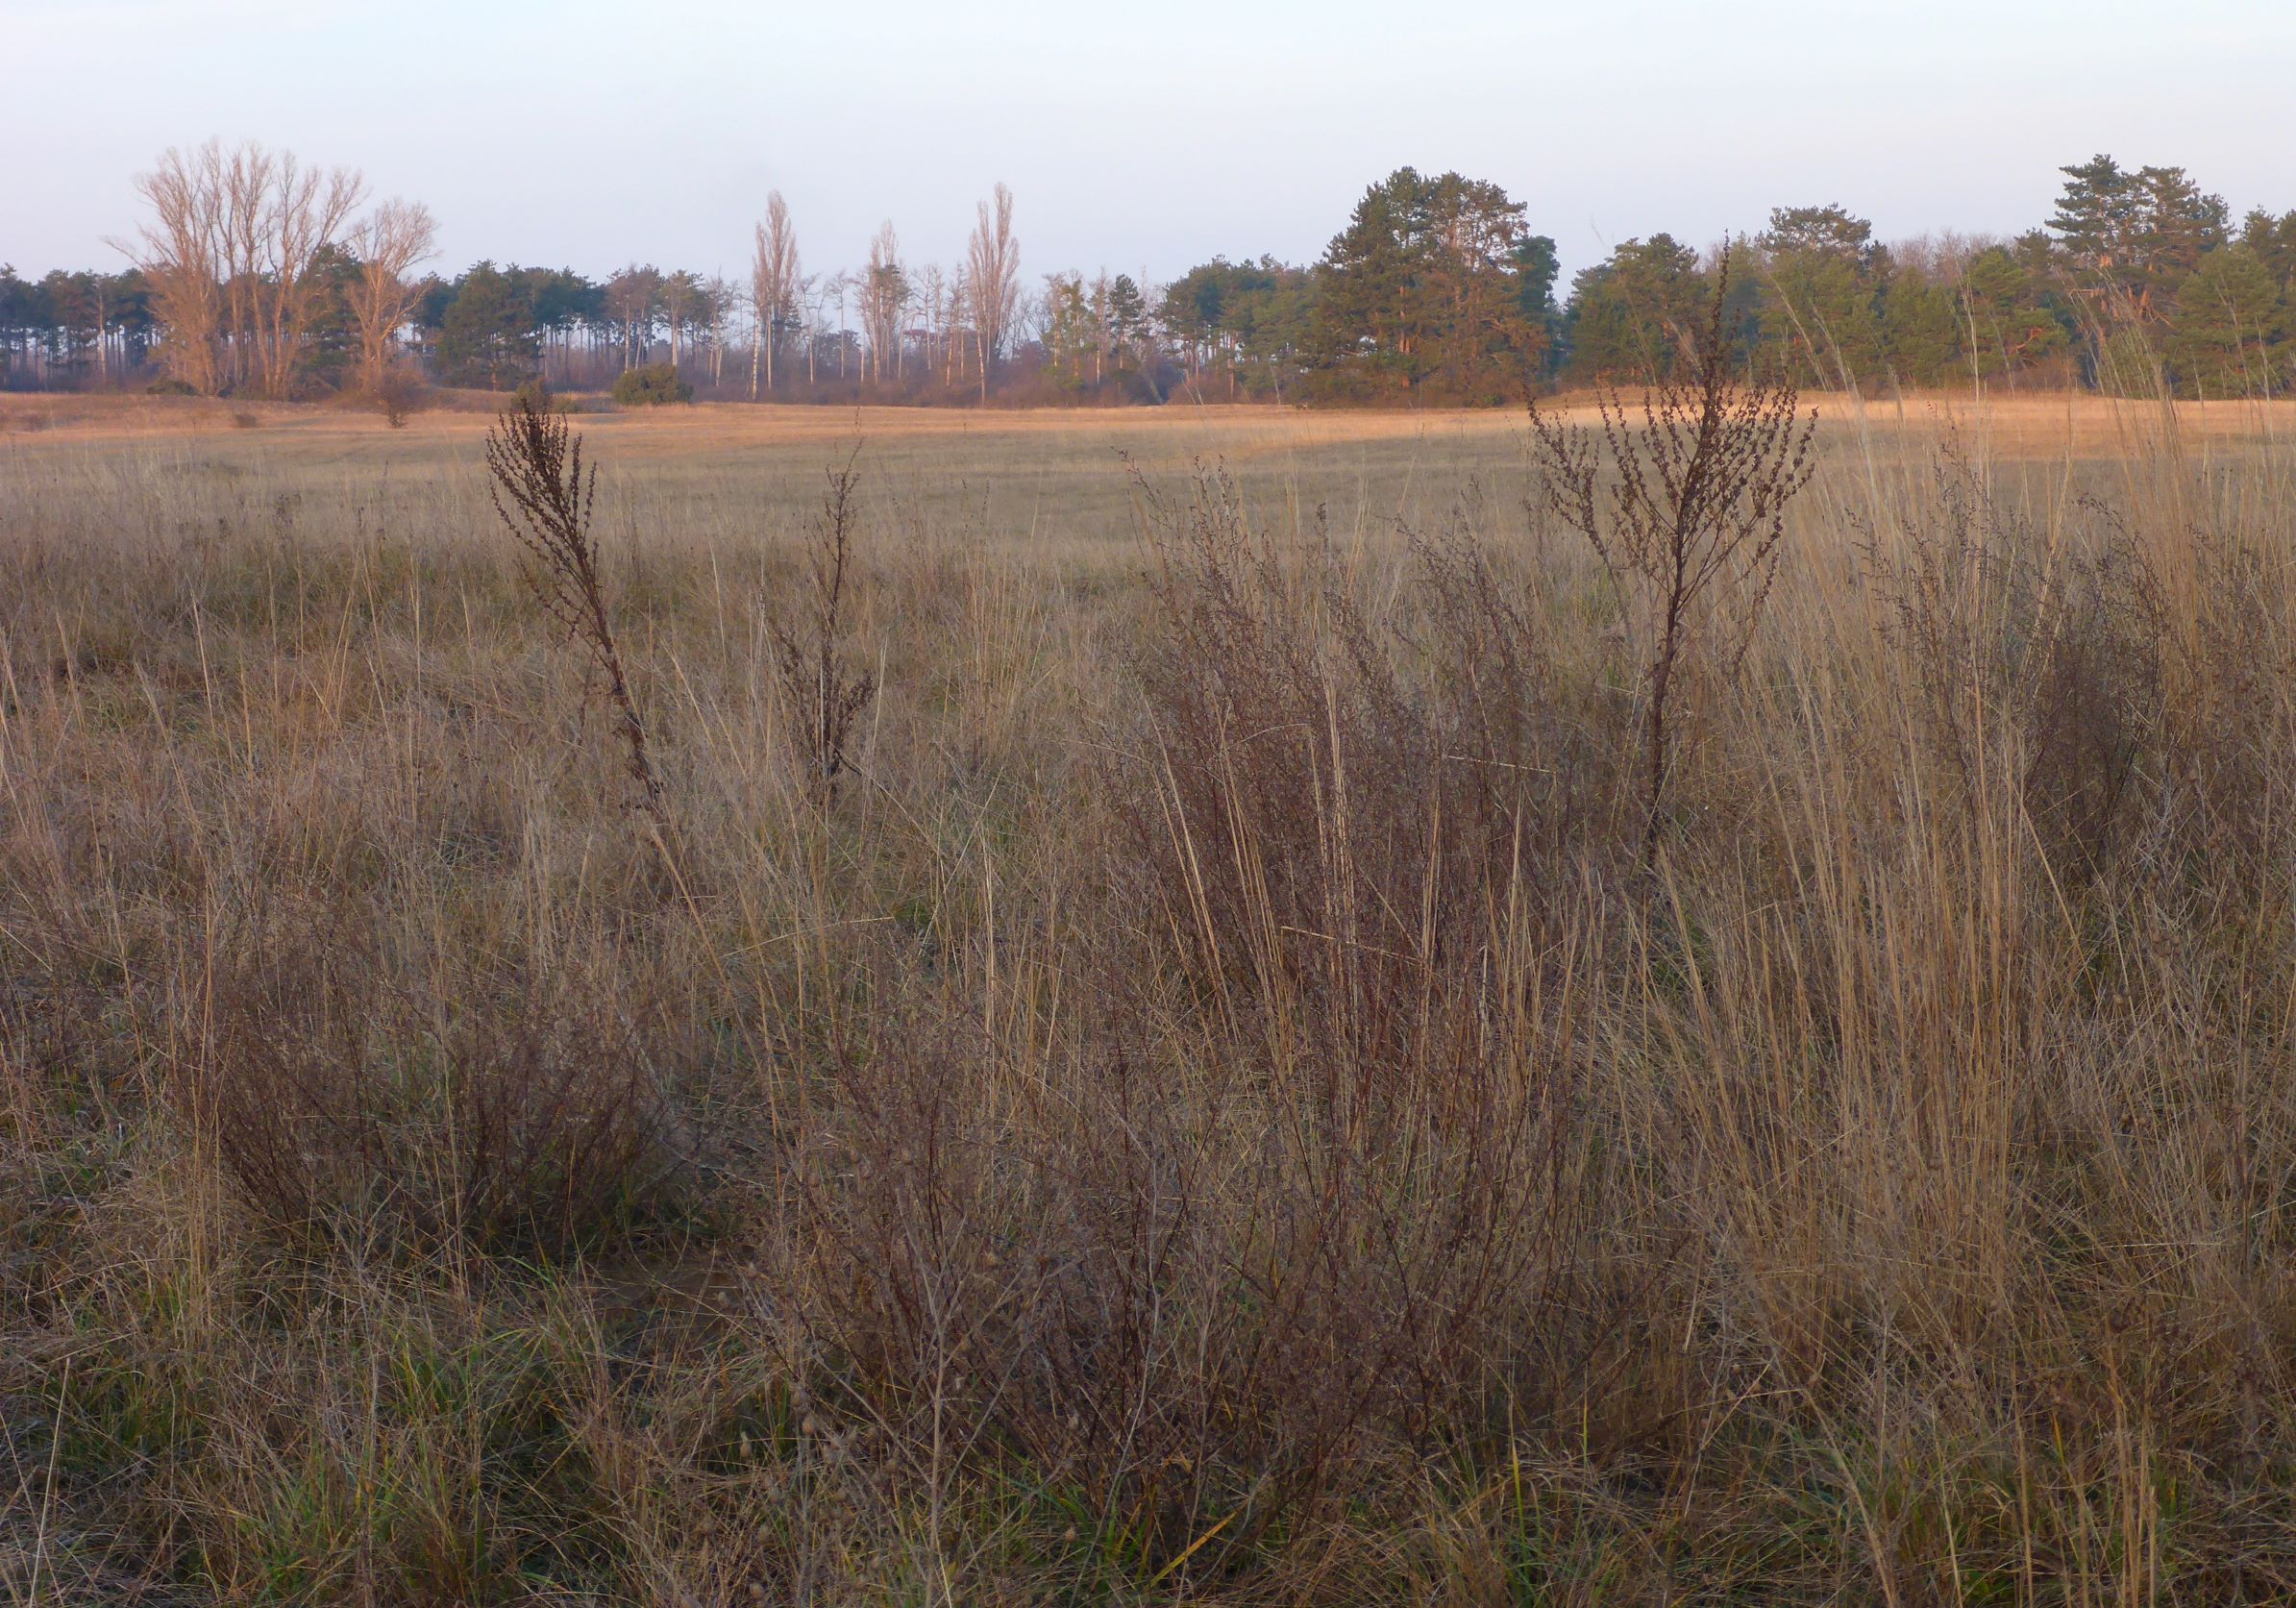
[254, 274]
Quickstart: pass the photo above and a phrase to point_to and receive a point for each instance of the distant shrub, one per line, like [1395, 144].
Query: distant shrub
[651, 387]
[170, 387]
[397, 394]
[534, 394]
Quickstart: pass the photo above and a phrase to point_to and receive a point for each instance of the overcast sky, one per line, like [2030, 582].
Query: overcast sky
[1142, 136]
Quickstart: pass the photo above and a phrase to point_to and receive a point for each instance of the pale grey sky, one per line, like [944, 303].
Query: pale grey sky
[587, 134]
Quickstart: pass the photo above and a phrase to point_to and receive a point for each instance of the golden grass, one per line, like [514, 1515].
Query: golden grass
[2022, 424]
[1216, 1109]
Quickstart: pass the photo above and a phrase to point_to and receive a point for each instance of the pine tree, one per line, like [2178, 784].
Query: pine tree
[1537, 267]
[1192, 308]
[2008, 322]
[487, 336]
[1252, 321]
[2176, 224]
[1068, 329]
[1921, 326]
[1630, 316]
[1832, 229]
[1422, 293]
[2093, 216]
[2229, 332]
[330, 335]
[2273, 239]
[1824, 275]
[1127, 310]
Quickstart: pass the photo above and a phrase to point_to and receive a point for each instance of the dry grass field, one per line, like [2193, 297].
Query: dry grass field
[1201, 1094]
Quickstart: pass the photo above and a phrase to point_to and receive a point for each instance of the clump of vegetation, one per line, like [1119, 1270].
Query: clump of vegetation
[2044, 667]
[651, 385]
[397, 393]
[512, 1111]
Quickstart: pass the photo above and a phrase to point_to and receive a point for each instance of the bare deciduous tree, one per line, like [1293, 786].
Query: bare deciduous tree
[932, 298]
[304, 211]
[685, 302]
[775, 287]
[230, 251]
[1102, 336]
[244, 177]
[718, 304]
[181, 253]
[993, 271]
[394, 238]
[815, 293]
[633, 301]
[836, 289]
[960, 310]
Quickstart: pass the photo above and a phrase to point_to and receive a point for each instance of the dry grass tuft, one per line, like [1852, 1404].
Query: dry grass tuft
[486, 1106]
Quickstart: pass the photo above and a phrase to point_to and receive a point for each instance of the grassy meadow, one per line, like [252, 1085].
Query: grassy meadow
[1211, 1100]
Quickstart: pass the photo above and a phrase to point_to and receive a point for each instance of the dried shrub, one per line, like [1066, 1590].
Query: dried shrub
[1311, 816]
[496, 1107]
[1204, 1303]
[397, 394]
[651, 385]
[1311, 1181]
[1691, 509]
[812, 655]
[1534, 741]
[2226, 710]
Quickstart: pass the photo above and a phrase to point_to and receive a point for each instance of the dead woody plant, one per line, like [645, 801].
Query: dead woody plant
[544, 496]
[809, 653]
[1690, 504]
